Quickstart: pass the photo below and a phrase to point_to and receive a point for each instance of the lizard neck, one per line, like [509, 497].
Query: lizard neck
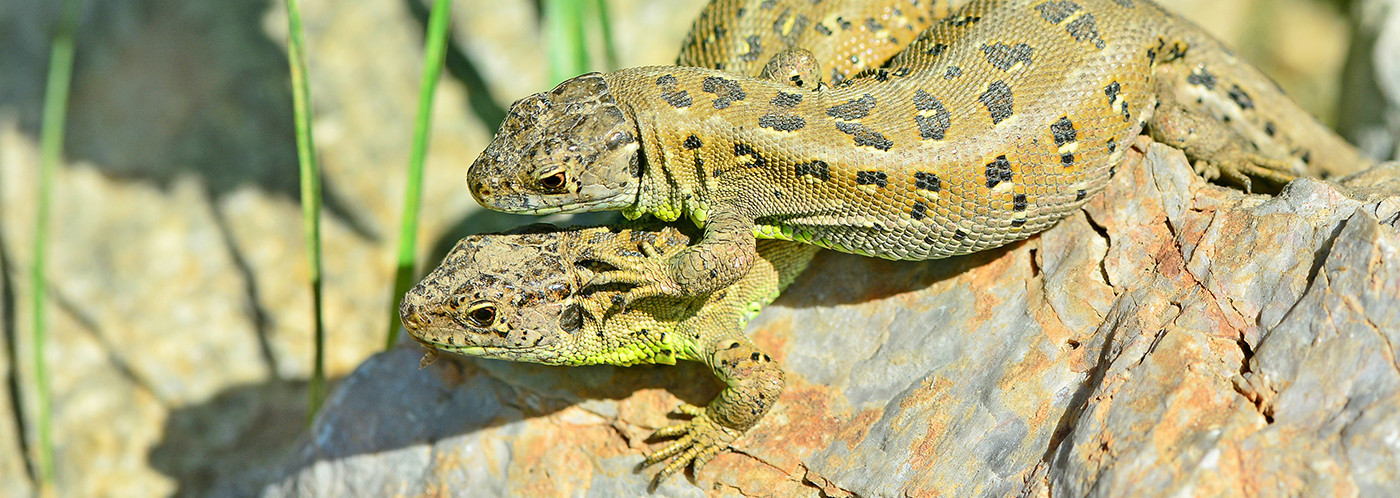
[673, 179]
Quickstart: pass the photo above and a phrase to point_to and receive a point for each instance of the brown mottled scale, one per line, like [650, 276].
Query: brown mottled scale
[519, 296]
[990, 127]
[740, 36]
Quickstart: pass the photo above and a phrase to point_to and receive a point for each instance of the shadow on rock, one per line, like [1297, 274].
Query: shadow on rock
[390, 409]
[167, 88]
[236, 439]
[863, 279]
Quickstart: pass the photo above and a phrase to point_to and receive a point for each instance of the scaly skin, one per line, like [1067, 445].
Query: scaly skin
[518, 297]
[994, 124]
[849, 36]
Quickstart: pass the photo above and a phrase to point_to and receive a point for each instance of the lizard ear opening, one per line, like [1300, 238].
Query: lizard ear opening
[639, 163]
[571, 319]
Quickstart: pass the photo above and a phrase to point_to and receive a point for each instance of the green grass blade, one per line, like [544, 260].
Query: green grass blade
[51, 152]
[565, 39]
[434, 52]
[600, 12]
[310, 195]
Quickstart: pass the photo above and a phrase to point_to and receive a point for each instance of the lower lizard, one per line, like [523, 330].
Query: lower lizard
[991, 126]
[517, 297]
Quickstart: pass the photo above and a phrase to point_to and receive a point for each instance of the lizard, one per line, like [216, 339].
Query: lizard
[994, 123]
[521, 297]
[524, 289]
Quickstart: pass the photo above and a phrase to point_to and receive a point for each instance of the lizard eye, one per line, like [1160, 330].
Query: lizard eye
[554, 182]
[482, 315]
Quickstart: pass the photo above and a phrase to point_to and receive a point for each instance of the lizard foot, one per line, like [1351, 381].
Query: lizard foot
[648, 274]
[1242, 169]
[701, 438]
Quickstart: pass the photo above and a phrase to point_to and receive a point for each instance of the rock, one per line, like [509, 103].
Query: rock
[1172, 336]
[179, 320]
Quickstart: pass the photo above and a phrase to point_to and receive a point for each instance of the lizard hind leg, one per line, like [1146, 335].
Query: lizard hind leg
[1217, 149]
[753, 382]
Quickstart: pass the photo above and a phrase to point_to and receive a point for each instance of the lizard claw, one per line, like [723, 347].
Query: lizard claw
[700, 439]
[648, 274]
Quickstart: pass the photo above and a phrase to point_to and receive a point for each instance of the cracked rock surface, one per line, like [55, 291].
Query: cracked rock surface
[1173, 336]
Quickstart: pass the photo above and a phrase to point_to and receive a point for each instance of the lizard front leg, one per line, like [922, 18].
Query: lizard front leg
[753, 382]
[723, 255]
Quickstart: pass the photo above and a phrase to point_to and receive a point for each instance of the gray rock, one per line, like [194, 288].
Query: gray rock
[1172, 336]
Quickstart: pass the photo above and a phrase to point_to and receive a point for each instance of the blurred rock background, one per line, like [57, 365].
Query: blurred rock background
[180, 329]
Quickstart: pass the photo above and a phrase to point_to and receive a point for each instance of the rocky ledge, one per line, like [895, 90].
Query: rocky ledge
[1173, 335]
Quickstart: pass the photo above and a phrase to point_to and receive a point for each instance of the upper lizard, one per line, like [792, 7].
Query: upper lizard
[518, 297]
[992, 125]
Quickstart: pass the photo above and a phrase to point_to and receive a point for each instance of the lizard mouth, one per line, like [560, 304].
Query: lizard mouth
[571, 208]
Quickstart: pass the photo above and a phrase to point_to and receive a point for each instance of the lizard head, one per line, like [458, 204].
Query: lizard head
[496, 296]
[519, 297]
[569, 150]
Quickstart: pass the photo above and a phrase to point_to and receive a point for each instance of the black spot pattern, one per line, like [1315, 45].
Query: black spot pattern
[932, 126]
[1018, 202]
[964, 21]
[789, 37]
[1241, 99]
[669, 94]
[1084, 28]
[1079, 196]
[1201, 77]
[876, 178]
[1063, 130]
[1269, 128]
[959, 235]
[782, 122]
[755, 49]
[1057, 12]
[873, 25]
[1004, 57]
[997, 98]
[927, 181]
[1112, 91]
[821, 28]
[952, 72]
[864, 136]
[854, 109]
[1018, 222]
[692, 142]
[786, 100]
[936, 50]
[676, 99]
[1177, 51]
[741, 149]
[1112, 145]
[726, 91]
[998, 171]
[845, 25]
[1125, 3]
[818, 169]
[919, 211]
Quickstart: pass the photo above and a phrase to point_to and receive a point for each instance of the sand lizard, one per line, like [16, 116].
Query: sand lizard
[992, 125]
[518, 297]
